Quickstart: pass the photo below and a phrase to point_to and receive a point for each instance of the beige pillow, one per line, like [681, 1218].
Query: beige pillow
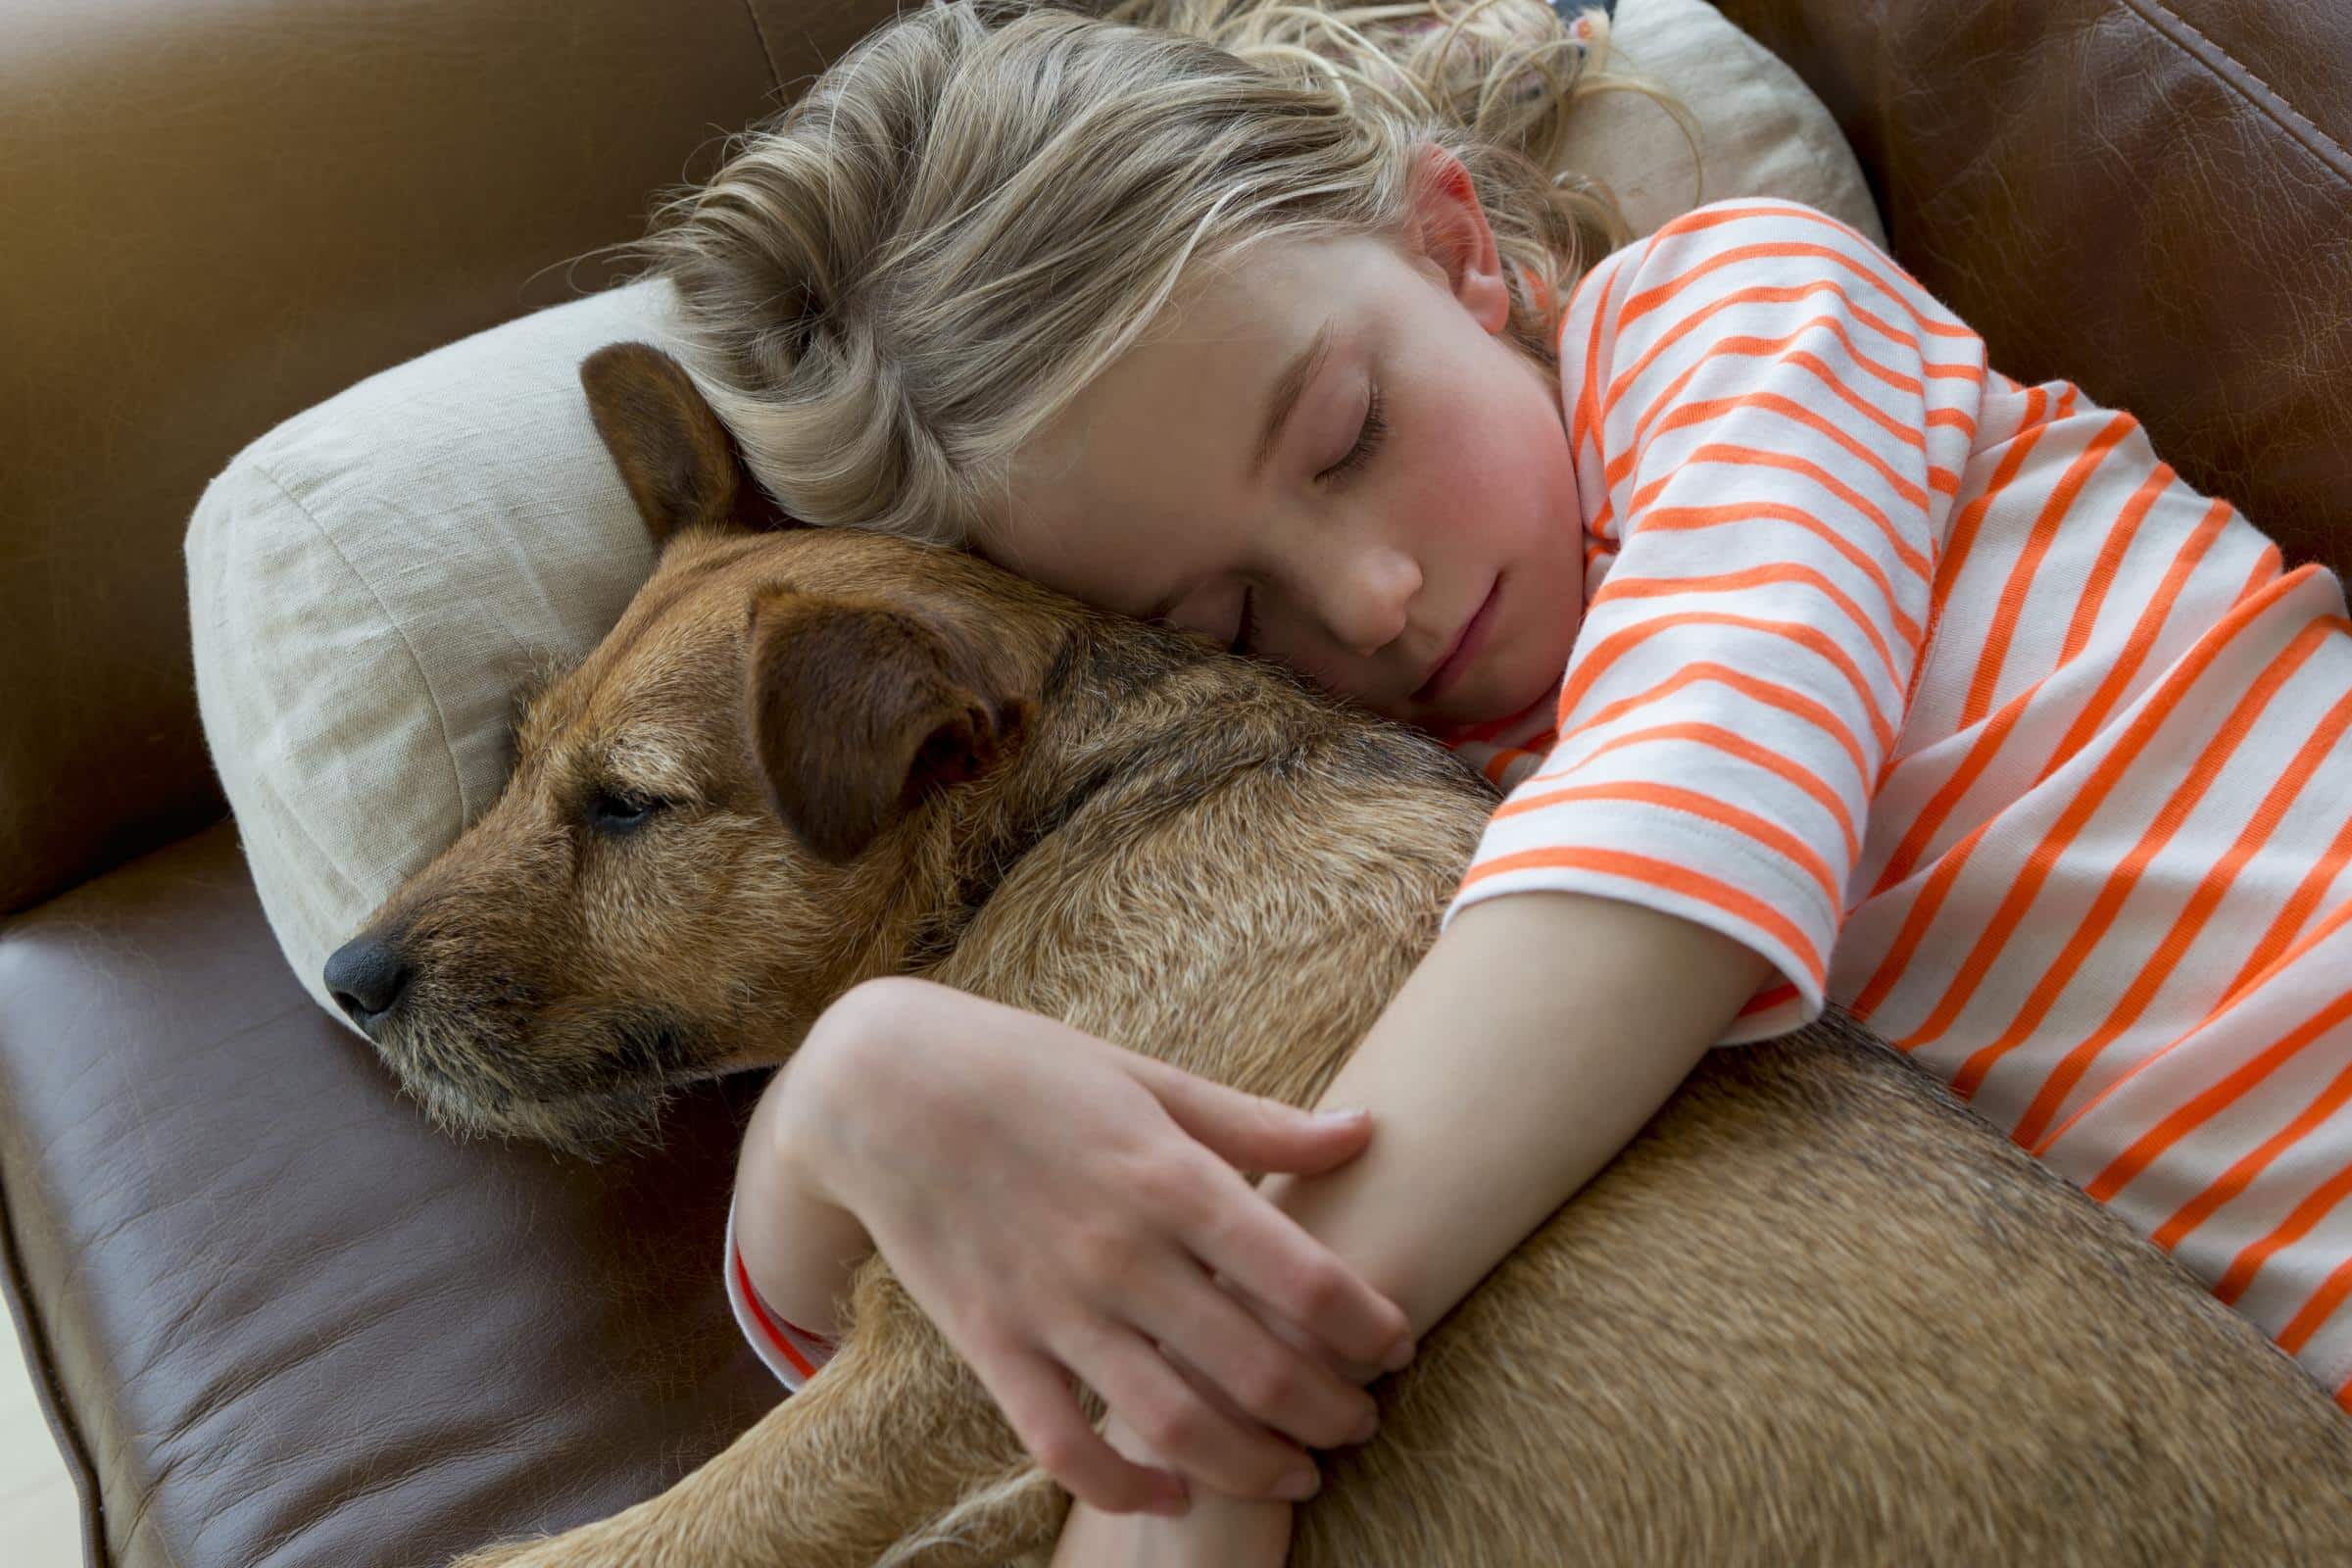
[1763, 132]
[369, 582]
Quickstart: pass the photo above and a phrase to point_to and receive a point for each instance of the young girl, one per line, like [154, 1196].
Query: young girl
[1818, 661]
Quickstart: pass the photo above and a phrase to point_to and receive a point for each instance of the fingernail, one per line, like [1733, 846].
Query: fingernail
[1401, 1355]
[1298, 1485]
[1352, 1114]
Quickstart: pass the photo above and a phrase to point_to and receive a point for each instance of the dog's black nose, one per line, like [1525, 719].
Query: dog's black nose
[366, 976]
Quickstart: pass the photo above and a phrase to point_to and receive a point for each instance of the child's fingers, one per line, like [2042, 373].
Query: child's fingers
[1186, 1430]
[1035, 1398]
[1271, 1255]
[1258, 1377]
[1252, 1132]
[1359, 1374]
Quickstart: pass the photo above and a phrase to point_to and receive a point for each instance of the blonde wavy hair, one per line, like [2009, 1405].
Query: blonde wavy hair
[892, 285]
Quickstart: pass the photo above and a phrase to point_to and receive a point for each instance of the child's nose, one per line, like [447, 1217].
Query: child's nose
[1370, 600]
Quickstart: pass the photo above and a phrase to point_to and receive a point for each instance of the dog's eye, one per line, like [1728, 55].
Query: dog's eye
[612, 813]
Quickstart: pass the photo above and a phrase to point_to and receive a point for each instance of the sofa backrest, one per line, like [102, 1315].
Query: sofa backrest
[2157, 211]
[217, 217]
[204, 240]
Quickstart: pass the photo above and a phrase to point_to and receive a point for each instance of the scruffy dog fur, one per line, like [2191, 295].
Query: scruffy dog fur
[1817, 1313]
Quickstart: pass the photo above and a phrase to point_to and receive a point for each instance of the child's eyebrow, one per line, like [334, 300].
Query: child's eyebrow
[1288, 387]
[1280, 402]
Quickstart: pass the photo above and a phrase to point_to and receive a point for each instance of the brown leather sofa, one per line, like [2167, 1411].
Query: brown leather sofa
[274, 1317]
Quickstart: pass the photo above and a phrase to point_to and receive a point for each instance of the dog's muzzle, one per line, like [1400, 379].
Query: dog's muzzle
[368, 977]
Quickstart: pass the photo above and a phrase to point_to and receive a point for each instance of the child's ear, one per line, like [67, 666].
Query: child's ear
[1450, 229]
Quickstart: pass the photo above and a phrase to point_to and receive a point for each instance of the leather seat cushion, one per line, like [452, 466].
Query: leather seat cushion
[288, 1322]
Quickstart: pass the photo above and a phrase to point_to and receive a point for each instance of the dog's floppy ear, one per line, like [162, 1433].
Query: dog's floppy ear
[856, 712]
[680, 463]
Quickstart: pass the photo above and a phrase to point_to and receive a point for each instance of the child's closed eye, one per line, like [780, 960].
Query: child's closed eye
[1367, 441]
[1248, 635]
[1368, 437]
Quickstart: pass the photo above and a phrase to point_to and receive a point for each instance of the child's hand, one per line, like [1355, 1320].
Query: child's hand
[1216, 1532]
[1054, 1202]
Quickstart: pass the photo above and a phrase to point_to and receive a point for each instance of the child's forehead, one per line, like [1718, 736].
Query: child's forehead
[1258, 287]
[1115, 498]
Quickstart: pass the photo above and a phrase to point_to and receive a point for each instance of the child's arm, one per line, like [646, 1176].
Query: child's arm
[1038, 1188]
[1538, 1036]
[1542, 1030]
[799, 1249]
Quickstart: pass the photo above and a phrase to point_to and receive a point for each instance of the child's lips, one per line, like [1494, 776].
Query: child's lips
[1466, 647]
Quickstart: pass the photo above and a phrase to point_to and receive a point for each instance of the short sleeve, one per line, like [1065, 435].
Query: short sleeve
[791, 1352]
[1769, 419]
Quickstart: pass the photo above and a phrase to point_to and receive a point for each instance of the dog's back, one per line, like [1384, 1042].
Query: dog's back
[1817, 1312]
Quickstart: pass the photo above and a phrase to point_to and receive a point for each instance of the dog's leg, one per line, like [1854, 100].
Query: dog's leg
[895, 1455]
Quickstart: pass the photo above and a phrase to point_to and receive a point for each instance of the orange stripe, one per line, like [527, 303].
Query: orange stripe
[2118, 883]
[1651, 299]
[750, 1299]
[1811, 638]
[2153, 1143]
[1981, 754]
[1755, 577]
[1906, 430]
[1679, 520]
[1589, 396]
[1663, 874]
[1758, 458]
[2142, 643]
[2175, 946]
[2204, 1107]
[1986, 746]
[2315, 1311]
[1713, 409]
[2012, 603]
[2265, 569]
[2086, 800]
[1770, 695]
[1763, 348]
[1774, 294]
[2103, 571]
[2297, 1225]
[1768, 834]
[2193, 916]
[1500, 763]
[2291, 915]
[1960, 537]
[1735, 745]
[1766, 1000]
[2127, 664]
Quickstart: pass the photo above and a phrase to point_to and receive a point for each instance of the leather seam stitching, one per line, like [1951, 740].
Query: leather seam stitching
[767, 52]
[2248, 86]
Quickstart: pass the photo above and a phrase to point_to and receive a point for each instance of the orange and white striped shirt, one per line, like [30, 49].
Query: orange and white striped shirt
[792, 1352]
[1950, 697]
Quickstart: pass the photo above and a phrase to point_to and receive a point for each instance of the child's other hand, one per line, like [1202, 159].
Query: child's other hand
[1216, 1532]
[1054, 1202]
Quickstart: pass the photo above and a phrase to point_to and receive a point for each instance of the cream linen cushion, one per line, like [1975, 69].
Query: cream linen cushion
[370, 582]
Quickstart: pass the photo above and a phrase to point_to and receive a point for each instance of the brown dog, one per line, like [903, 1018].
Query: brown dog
[1816, 1313]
